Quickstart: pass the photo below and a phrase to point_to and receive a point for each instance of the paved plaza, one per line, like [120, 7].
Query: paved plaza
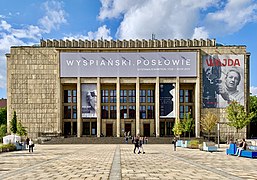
[111, 161]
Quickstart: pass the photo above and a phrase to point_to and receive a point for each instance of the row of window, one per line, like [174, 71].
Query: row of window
[108, 111]
[127, 96]
[109, 96]
[127, 112]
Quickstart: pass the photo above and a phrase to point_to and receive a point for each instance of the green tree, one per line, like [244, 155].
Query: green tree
[237, 116]
[3, 116]
[21, 130]
[3, 130]
[253, 107]
[188, 123]
[208, 122]
[13, 124]
[177, 129]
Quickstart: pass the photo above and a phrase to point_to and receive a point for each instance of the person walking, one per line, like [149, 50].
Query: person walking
[141, 142]
[27, 142]
[136, 142]
[174, 143]
[31, 145]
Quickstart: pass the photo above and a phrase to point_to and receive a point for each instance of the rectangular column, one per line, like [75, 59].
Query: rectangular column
[98, 111]
[79, 119]
[118, 106]
[137, 106]
[197, 99]
[157, 107]
[177, 100]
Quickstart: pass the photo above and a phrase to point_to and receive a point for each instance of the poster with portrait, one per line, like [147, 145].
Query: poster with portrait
[89, 100]
[167, 100]
[223, 80]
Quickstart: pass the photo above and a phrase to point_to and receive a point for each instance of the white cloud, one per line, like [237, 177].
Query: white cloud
[235, 15]
[200, 32]
[5, 26]
[29, 34]
[101, 33]
[178, 19]
[253, 90]
[165, 19]
[55, 16]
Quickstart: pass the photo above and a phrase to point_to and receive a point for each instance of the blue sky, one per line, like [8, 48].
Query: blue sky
[230, 22]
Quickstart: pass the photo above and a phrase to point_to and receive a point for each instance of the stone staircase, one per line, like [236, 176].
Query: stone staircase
[102, 140]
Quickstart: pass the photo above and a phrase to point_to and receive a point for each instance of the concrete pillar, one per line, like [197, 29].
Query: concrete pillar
[98, 111]
[198, 99]
[137, 106]
[79, 119]
[157, 107]
[177, 100]
[118, 106]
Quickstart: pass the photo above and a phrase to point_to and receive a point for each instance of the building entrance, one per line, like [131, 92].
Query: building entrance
[67, 128]
[147, 130]
[109, 130]
[128, 128]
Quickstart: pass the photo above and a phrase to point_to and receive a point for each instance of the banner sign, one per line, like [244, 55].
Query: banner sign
[152, 64]
[223, 80]
[167, 100]
[89, 99]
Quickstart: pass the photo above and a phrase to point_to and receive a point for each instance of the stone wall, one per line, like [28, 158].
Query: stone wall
[33, 86]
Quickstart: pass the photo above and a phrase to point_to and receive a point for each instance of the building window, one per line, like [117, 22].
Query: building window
[132, 112]
[74, 96]
[142, 96]
[67, 112]
[150, 96]
[112, 96]
[150, 112]
[123, 96]
[74, 112]
[181, 95]
[105, 94]
[104, 112]
[70, 96]
[113, 113]
[184, 110]
[132, 96]
[142, 112]
[186, 96]
[123, 112]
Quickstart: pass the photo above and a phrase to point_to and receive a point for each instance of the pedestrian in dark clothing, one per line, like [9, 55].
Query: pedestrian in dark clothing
[136, 141]
[132, 139]
[27, 142]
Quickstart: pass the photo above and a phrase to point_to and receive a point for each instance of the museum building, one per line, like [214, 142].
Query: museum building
[105, 88]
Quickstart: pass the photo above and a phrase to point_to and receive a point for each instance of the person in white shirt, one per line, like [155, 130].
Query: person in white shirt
[31, 145]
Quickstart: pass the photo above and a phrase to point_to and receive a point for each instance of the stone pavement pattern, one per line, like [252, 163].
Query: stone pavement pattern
[110, 161]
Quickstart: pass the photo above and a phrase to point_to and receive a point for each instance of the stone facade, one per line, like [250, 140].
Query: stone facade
[35, 89]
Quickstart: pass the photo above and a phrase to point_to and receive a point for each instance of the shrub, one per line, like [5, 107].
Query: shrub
[194, 144]
[8, 147]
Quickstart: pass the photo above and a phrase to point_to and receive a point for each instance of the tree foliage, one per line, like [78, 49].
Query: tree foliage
[13, 124]
[177, 129]
[3, 116]
[188, 123]
[253, 107]
[237, 116]
[208, 123]
[3, 130]
[21, 130]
